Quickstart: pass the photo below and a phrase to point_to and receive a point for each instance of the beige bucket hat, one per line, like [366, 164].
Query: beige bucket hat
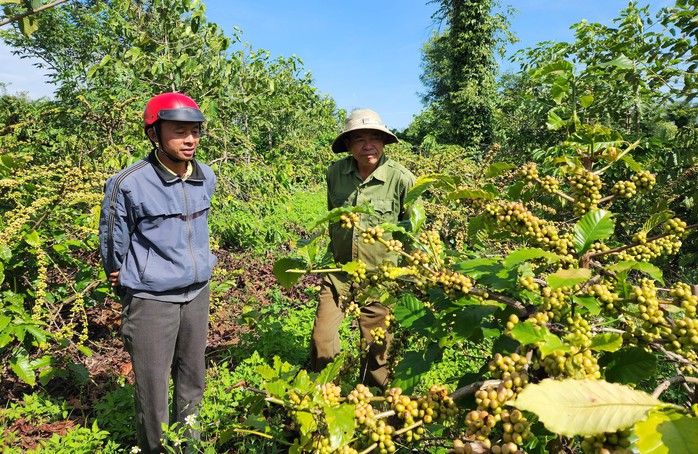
[361, 119]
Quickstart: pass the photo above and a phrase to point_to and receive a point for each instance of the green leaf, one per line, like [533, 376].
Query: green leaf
[585, 407]
[411, 313]
[28, 25]
[551, 344]
[568, 278]
[308, 248]
[630, 365]
[33, 239]
[281, 267]
[414, 365]
[21, 366]
[424, 183]
[332, 370]
[497, 168]
[663, 433]
[651, 270]
[588, 302]
[621, 62]
[470, 194]
[526, 254]
[656, 220]
[607, 342]
[526, 333]
[340, 425]
[593, 226]
[554, 121]
[5, 253]
[586, 100]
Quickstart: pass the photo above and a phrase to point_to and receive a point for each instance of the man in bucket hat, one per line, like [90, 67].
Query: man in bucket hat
[365, 176]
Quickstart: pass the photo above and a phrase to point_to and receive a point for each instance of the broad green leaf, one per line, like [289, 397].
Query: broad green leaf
[5, 252]
[306, 421]
[21, 366]
[411, 313]
[551, 344]
[497, 168]
[621, 62]
[631, 163]
[28, 25]
[340, 425]
[526, 254]
[587, 302]
[414, 365]
[554, 121]
[651, 270]
[424, 182]
[663, 433]
[555, 68]
[656, 220]
[526, 333]
[586, 100]
[568, 278]
[607, 342]
[593, 226]
[470, 194]
[281, 267]
[630, 365]
[308, 248]
[558, 92]
[585, 407]
[334, 214]
[469, 320]
[266, 372]
[330, 372]
[33, 239]
[488, 272]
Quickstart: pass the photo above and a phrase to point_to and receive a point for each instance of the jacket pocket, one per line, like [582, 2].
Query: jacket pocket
[384, 210]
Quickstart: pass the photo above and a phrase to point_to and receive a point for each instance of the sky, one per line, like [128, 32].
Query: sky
[362, 53]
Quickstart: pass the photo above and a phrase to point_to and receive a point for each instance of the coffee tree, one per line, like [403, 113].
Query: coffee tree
[576, 315]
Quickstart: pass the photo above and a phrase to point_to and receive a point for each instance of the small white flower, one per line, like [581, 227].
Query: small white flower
[135, 449]
[177, 442]
[190, 420]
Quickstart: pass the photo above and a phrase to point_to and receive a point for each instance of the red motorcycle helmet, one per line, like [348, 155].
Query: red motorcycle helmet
[171, 107]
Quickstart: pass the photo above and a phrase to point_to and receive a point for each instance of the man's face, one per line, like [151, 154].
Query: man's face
[366, 146]
[180, 139]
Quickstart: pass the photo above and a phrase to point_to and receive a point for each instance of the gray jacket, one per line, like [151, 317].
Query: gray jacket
[153, 227]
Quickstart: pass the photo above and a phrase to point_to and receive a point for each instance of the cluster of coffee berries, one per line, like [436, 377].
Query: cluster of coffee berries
[529, 172]
[436, 405]
[382, 435]
[378, 335]
[419, 257]
[452, 281]
[585, 187]
[579, 330]
[528, 282]
[577, 364]
[512, 321]
[683, 338]
[667, 245]
[553, 307]
[604, 295]
[393, 245]
[331, 393]
[371, 234]
[684, 298]
[675, 226]
[353, 310]
[515, 218]
[364, 413]
[597, 247]
[349, 220]
[644, 180]
[408, 410]
[645, 296]
[625, 189]
[359, 272]
[549, 184]
[388, 271]
[607, 443]
[432, 239]
[511, 369]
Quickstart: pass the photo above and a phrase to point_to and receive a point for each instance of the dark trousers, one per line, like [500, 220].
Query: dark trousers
[165, 338]
[324, 342]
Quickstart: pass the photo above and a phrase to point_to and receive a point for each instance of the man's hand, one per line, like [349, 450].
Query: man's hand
[114, 278]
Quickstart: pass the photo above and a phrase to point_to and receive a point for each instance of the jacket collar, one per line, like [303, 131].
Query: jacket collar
[197, 174]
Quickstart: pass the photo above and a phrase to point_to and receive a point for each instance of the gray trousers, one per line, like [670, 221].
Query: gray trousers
[165, 338]
[324, 342]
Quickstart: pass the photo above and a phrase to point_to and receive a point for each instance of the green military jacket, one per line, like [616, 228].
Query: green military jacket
[385, 189]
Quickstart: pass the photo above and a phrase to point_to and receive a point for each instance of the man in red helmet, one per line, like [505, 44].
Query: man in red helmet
[154, 242]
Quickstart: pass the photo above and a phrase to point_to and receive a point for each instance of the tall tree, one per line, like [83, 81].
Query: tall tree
[460, 71]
